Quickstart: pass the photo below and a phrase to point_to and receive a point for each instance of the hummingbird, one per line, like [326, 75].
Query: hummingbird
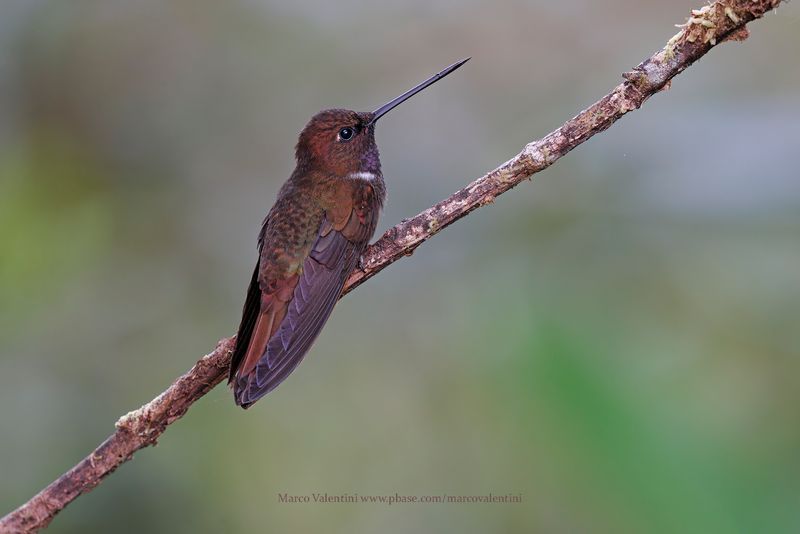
[310, 241]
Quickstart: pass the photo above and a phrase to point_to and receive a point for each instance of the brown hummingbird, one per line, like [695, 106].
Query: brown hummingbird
[310, 242]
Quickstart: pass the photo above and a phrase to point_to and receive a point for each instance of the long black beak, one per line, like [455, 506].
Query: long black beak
[381, 111]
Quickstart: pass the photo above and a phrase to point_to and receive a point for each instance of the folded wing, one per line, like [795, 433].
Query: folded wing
[279, 324]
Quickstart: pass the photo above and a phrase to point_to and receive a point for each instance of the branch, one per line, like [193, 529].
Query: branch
[723, 20]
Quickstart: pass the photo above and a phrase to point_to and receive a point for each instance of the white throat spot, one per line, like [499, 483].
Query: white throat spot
[363, 175]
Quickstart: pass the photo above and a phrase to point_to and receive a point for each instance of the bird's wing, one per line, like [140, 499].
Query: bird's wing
[282, 318]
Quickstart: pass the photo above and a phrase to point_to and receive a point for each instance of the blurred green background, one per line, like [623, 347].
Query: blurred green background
[617, 341]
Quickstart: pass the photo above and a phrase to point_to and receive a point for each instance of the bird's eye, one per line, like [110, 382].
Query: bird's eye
[345, 134]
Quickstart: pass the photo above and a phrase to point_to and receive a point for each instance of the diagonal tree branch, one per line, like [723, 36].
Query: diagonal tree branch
[723, 20]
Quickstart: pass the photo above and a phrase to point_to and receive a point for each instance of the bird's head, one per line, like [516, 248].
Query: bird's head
[342, 142]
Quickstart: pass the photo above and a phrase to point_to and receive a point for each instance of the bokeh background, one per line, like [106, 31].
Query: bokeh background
[617, 341]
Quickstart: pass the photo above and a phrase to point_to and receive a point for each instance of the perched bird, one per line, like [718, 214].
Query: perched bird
[310, 242]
